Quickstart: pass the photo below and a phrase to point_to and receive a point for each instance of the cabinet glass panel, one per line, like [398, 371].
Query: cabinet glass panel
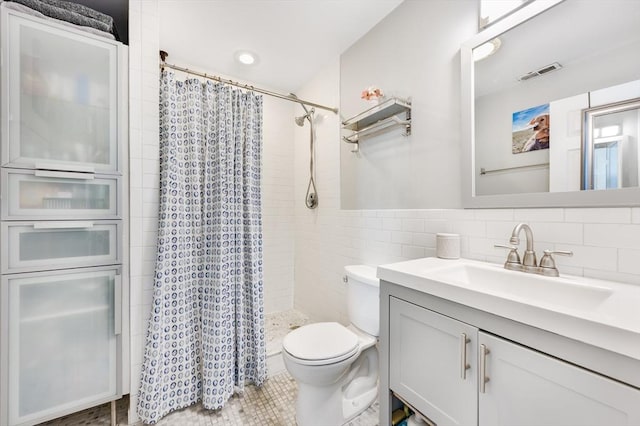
[62, 108]
[36, 197]
[62, 343]
[39, 246]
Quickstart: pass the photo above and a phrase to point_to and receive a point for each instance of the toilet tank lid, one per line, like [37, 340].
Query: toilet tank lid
[363, 273]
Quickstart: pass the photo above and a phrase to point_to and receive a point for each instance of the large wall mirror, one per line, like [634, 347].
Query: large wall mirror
[551, 107]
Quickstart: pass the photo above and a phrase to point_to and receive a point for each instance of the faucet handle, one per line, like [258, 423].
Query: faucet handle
[513, 257]
[561, 252]
[549, 263]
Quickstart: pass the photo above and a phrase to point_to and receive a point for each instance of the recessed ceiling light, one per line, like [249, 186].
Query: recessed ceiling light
[246, 58]
[486, 49]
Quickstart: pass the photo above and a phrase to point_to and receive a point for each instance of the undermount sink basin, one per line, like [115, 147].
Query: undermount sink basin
[494, 279]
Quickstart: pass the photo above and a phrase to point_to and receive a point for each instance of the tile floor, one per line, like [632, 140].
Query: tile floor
[271, 405]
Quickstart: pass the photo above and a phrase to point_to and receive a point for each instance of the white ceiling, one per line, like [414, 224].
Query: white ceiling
[570, 33]
[294, 39]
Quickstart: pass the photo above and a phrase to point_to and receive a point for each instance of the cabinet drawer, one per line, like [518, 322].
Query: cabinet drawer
[58, 109]
[63, 349]
[43, 194]
[40, 246]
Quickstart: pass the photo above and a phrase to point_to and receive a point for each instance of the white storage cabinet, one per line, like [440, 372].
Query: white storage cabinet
[63, 128]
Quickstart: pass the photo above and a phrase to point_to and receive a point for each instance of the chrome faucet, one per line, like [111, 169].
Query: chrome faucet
[529, 262]
[529, 259]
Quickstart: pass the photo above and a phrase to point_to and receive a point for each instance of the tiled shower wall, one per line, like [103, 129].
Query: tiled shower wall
[143, 174]
[278, 223]
[605, 241]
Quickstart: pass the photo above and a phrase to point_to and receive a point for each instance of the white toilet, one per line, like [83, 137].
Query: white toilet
[336, 367]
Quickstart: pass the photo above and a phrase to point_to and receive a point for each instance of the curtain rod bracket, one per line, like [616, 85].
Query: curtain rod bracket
[163, 57]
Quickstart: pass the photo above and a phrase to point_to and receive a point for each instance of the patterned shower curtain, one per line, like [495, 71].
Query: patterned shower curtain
[206, 330]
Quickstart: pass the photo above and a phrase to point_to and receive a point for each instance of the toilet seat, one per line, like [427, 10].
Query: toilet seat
[321, 343]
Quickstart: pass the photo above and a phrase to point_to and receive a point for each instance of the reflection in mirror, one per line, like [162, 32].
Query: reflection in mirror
[493, 10]
[527, 97]
[610, 147]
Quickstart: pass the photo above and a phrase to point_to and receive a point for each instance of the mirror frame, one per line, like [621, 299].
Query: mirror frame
[587, 198]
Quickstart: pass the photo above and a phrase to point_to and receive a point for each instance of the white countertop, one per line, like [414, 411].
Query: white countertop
[602, 313]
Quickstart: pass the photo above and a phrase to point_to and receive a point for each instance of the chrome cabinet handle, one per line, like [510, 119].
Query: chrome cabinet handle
[65, 167]
[484, 351]
[463, 356]
[62, 225]
[64, 175]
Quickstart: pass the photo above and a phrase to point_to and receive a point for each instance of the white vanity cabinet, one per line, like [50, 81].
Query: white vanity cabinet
[450, 364]
[64, 337]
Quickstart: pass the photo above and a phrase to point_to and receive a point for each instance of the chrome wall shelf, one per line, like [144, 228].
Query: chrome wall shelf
[377, 119]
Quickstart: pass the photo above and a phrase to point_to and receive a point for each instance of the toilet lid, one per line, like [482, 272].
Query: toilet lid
[320, 341]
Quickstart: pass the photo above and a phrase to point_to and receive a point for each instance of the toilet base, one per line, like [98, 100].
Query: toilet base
[355, 406]
[335, 404]
[316, 409]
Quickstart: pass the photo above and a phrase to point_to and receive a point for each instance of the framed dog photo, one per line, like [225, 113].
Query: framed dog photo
[530, 129]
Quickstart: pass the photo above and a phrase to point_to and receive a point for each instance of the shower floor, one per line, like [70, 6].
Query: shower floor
[277, 325]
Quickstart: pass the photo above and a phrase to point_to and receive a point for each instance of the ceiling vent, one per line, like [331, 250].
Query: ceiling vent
[544, 70]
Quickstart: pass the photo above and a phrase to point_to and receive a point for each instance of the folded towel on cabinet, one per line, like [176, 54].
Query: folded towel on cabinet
[27, 10]
[74, 13]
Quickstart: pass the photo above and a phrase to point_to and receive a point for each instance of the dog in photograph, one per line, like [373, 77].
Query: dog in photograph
[540, 139]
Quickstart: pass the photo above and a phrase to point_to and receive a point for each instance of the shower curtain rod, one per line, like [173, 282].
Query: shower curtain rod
[290, 97]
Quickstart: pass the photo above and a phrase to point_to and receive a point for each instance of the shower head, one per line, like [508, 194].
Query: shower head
[300, 120]
[308, 115]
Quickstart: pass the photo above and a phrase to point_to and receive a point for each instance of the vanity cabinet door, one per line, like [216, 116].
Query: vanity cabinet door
[58, 109]
[526, 387]
[428, 356]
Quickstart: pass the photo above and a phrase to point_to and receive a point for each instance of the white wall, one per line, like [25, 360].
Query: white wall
[144, 172]
[277, 185]
[605, 241]
[413, 52]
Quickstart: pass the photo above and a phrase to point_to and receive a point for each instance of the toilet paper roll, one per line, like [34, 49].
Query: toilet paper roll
[448, 246]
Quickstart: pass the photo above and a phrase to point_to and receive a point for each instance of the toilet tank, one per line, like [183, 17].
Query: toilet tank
[363, 298]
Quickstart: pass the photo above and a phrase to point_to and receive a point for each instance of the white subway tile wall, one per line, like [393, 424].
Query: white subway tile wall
[605, 241]
[143, 150]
